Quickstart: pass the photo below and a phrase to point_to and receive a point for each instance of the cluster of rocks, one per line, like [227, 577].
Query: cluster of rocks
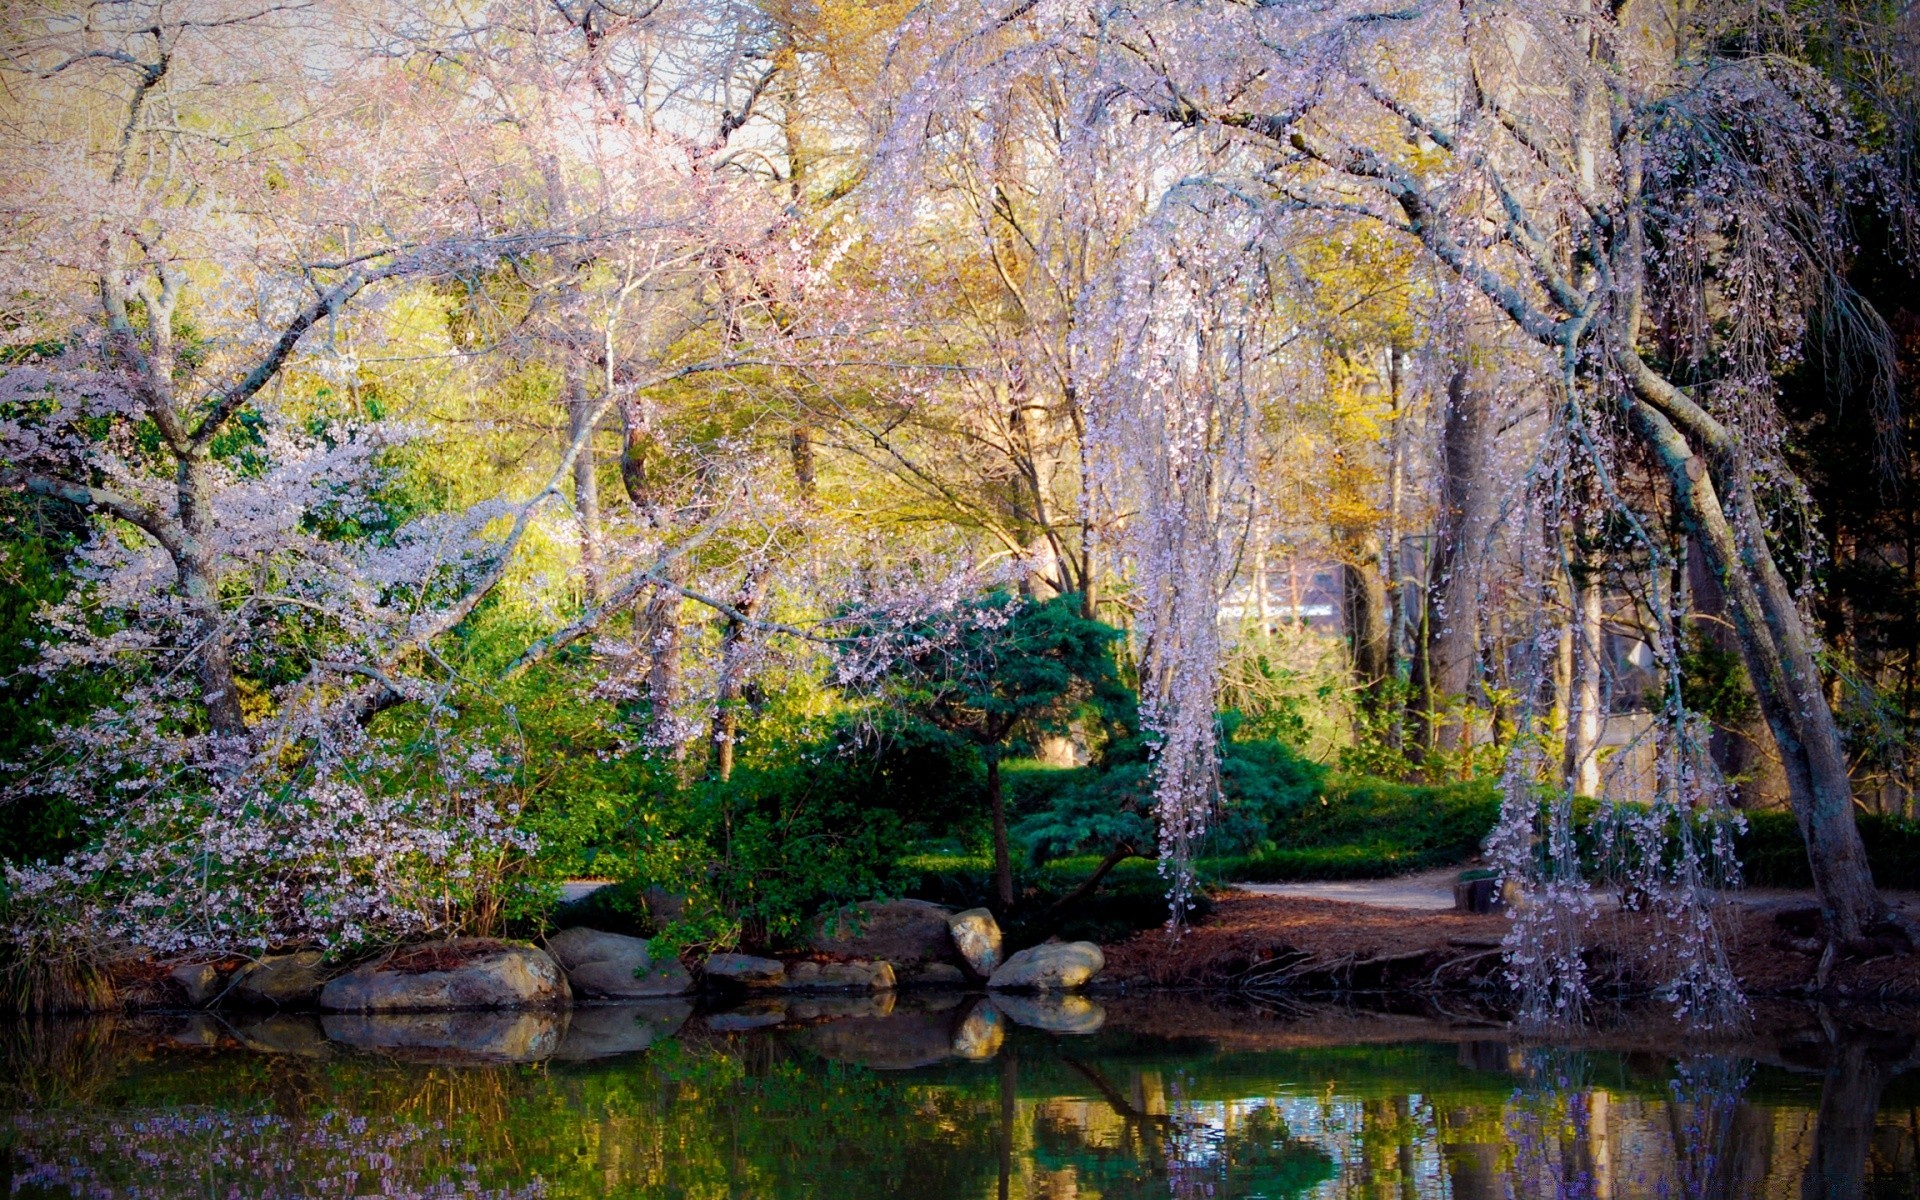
[867, 949]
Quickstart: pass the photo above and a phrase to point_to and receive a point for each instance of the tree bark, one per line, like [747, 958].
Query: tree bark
[658, 635]
[1581, 763]
[1364, 599]
[726, 714]
[1779, 662]
[1002, 856]
[586, 478]
[1447, 655]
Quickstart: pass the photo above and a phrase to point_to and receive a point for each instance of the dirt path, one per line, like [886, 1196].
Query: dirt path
[1431, 891]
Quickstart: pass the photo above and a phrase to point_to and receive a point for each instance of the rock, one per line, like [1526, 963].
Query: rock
[478, 1037]
[896, 931]
[976, 935]
[483, 974]
[630, 981]
[1054, 1013]
[856, 976]
[612, 966]
[279, 981]
[198, 982]
[931, 975]
[755, 1014]
[744, 970]
[1049, 967]
[604, 1032]
[297, 1034]
[980, 1033]
[891, 1043]
[665, 907]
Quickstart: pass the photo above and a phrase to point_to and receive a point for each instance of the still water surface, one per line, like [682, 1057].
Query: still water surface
[942, 1097]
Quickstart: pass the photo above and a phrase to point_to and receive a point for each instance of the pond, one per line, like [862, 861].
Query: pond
[954, 1096]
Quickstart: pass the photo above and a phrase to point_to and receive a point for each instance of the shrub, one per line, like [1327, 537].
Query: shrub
[1772, 853]
[1357, 828]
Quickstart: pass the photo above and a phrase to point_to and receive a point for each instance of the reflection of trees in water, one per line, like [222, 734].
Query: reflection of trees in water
[769, 1116]
[1860, 1065]
[1149, 1141]
[1562, 1130]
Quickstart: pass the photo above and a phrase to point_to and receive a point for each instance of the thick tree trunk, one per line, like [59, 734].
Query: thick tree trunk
[1779, 660]
[1002, 856]
[213, 662]
[1446, 656]
[1364, 599]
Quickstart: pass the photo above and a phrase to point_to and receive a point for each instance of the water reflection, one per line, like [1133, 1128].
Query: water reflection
[954, 1096]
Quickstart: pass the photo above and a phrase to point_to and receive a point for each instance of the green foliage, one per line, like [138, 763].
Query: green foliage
[37, 537]
[1713, 682]
[1368, 828]
[1011, 673]
[1095, 810]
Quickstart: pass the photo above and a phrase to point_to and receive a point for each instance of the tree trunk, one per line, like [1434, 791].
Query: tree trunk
[1582, 763]
[213, 662]
[1447, 657]
[1364, 599]
[1779, 661]
[726, 712]
[1002, 857]
[657, 633]
[586, 478]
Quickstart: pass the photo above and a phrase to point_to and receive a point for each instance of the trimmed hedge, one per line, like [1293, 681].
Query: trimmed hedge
[1772, 853]
[1360, 828]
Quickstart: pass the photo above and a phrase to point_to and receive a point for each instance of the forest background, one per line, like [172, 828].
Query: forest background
[771, 455]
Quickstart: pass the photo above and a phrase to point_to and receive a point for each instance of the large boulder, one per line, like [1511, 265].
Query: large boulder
[976, 935]
[612, 966]
[464, 973]
[856, 976]
[747, 971]
[198, 982]
[931, 975]
[1049, 967]
[279, 981]
[902, 932]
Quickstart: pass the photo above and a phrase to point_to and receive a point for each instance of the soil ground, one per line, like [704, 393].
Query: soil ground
[1309, 941]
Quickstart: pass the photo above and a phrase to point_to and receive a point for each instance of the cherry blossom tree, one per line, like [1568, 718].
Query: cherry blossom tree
[1652, 198]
